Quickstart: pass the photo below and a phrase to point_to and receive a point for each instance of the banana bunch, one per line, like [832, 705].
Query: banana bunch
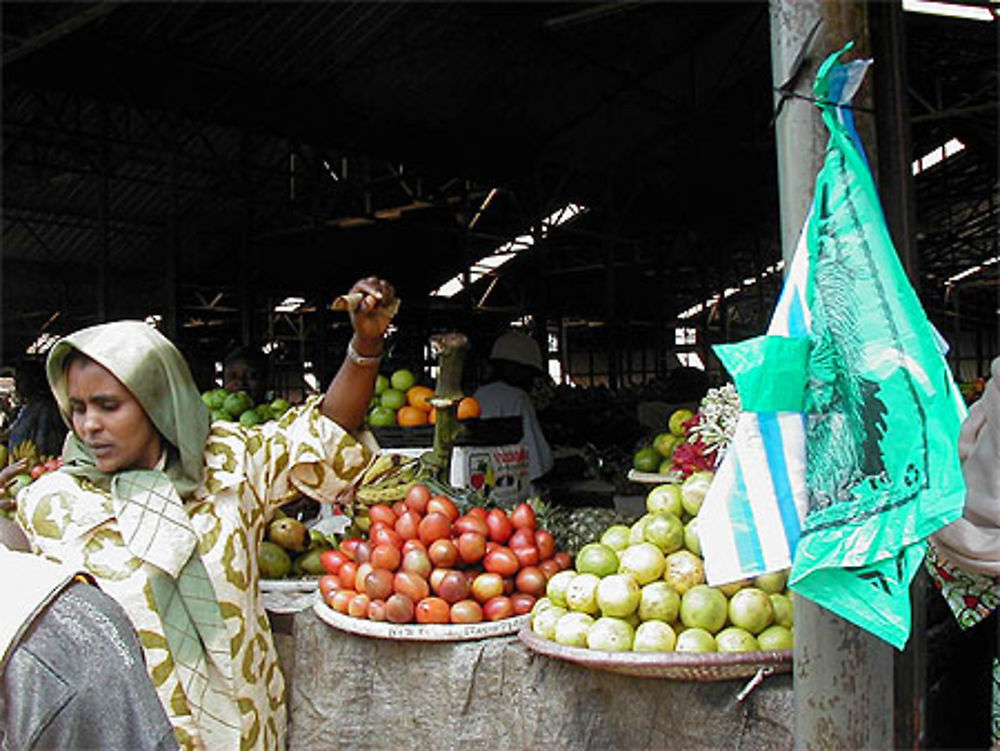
[26, 449]
[388, 479]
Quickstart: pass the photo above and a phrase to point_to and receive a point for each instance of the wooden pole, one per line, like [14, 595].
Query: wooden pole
[843, 675]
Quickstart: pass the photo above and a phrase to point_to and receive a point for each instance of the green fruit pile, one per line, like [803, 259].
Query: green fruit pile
[237, 406]
[389, 397]
[642, 588]
[291, 550]
[657, 456]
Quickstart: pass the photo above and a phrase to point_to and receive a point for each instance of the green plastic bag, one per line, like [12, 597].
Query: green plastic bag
[883, 412]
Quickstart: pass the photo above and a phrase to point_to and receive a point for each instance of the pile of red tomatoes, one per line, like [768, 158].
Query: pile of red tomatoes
[423, 562]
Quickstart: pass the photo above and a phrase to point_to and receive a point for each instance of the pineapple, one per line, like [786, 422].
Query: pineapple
[574, 527]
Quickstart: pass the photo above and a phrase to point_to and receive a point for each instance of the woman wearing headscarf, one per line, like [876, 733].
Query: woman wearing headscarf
[964, 557]
[167, 511]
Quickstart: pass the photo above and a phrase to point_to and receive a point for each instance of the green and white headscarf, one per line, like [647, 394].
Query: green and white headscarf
[156, 374]
[148, 503]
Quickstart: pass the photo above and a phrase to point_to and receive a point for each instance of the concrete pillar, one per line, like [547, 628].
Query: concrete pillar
[843, 676]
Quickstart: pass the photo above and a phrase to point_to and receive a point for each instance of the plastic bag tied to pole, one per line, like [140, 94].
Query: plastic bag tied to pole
[845, 458]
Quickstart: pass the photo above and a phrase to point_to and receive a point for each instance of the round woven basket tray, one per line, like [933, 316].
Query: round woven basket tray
[684, 666]
[418, 631]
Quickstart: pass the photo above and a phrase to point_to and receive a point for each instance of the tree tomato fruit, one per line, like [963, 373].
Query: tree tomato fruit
[501, 561]
[414, 544]
[387, 536]
[416, 561]
[378, 584]
[37, 471]
[359, 578]
[470, 523]
[564, 559]
[478, 511]
[399, 608]
[466, 611]
[443, 553]
[440, 504]
[328, 584]
[332, 560]
[454, 586]
[349, 544]
[531, 580]
[348, 573]
[413, 586]
[376, 610]
[435, 578]
[471, 547]
[498, 608]
[381, 513]
[523, 516]
[358, 606]
[417, 497]
[546, 544]
[407, 525]
[433, 610]
[522, 538]
[486, 586]
[434, 526]
[549, 567]
[527, 556]
[362, 552]
[386, 556]
[522, 602]
[499, 526]
[340, 599]
[400, 508]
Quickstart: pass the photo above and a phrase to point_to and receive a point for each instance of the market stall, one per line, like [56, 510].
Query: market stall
[352, 691]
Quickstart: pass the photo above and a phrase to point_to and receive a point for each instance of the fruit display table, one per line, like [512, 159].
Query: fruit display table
[360, 692]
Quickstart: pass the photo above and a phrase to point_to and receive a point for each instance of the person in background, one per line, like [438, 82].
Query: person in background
[964, 564]
[166, 510]
[515, 361]
[244, 369]
[38, 419]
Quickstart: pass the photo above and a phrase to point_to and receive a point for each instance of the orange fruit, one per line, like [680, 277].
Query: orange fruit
[432, 416]
[417, 396]
[409, 416]
[469, 407]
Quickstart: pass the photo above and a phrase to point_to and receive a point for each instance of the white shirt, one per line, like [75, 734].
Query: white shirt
[499, 399]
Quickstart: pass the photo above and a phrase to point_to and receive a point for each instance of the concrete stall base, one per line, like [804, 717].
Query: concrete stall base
[352, 692]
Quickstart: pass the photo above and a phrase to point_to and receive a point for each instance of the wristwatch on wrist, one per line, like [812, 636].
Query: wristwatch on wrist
[363, 360]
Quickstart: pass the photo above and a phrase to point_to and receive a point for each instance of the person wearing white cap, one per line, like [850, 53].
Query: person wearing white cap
[516, 361]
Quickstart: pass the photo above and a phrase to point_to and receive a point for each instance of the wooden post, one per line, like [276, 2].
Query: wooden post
[842, 675]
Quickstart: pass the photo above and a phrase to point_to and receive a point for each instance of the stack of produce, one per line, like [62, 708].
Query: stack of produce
[237, 406]
[291, 549]
[400, 400]
[36, 465]
[693, 441]
[642, 588]
[423, 561]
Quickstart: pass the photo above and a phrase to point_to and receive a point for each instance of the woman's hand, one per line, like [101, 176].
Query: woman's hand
[372, 303]
[7, 475]
[372, 314]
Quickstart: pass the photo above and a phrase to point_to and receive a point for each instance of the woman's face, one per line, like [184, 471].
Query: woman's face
[109, 420]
